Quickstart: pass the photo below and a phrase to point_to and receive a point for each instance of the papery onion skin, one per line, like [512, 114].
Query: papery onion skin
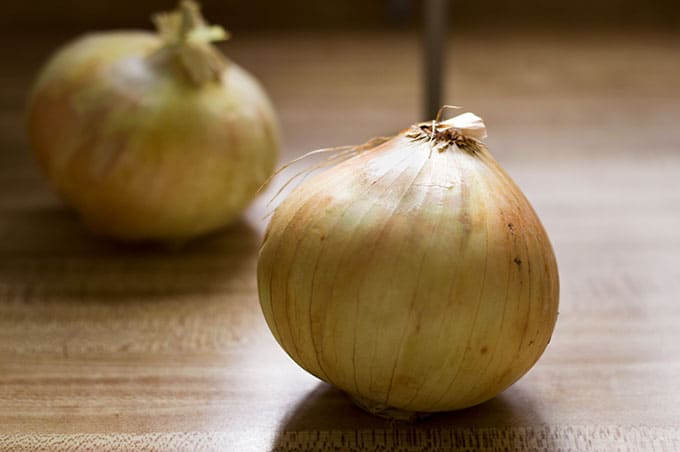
[412, 279]
[138, 149]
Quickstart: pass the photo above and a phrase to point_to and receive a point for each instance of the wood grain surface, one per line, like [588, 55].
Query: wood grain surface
[163, 347]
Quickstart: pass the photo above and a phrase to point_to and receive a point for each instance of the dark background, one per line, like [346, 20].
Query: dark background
[312, 14]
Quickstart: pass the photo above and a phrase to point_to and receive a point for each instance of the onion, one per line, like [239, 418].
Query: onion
[414, 275]
[153, 135]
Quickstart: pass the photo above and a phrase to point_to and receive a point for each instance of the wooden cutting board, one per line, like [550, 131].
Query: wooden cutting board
[148, 347]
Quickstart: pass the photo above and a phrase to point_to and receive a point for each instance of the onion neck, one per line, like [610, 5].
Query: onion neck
[188, 38]
[441, 137]
[465, 131]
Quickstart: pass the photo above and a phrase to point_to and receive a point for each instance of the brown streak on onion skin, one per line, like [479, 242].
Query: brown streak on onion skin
[301, 216]
[466, 353]
[49, 109]
[417, 228]
[351, 267]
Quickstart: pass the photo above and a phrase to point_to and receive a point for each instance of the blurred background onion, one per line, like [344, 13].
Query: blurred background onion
[153, 135]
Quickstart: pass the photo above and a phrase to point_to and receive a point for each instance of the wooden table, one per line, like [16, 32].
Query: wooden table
[105, 346]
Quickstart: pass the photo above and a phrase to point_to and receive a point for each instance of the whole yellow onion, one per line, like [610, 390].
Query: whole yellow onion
[413, 275]
[153, 135]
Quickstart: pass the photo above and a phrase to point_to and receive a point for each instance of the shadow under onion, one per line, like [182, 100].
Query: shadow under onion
[326, 419]
[47, 250]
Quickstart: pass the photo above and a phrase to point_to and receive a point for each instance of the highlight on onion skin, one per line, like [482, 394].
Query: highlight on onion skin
[149, 138]
[414, 275]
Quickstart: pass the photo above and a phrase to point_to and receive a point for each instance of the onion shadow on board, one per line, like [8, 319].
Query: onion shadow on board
[326, 419]
[47, 251]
